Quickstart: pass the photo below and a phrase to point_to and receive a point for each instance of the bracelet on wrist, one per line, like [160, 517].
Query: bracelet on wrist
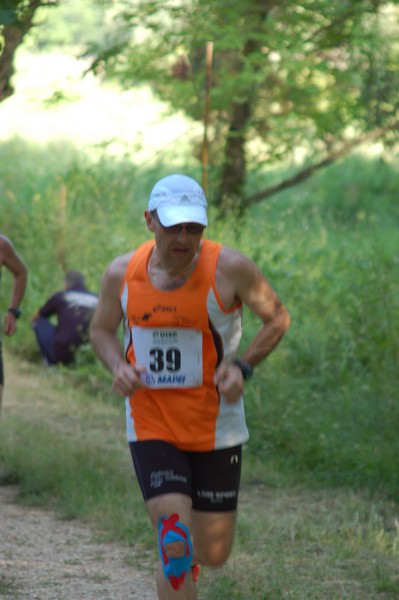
[15, 311]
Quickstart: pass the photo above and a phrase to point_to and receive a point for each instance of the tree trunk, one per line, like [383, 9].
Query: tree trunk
[234, 169]
[13, 36]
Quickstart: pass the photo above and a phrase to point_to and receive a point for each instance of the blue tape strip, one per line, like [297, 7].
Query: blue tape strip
[171, 530]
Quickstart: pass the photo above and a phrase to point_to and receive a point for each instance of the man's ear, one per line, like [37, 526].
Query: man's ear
[149, 219]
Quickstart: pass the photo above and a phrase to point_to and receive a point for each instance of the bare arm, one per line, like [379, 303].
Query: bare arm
[14, 263]
[255, 291]
[239, 279]
[104, 326]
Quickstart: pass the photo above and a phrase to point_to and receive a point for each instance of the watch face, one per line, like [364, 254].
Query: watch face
[15, 311]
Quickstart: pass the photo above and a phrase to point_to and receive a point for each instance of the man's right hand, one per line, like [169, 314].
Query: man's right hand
[127, 378]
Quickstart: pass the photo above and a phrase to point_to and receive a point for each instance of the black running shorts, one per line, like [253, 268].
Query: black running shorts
[211, 479]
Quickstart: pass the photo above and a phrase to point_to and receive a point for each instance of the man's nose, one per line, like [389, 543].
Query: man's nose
[183, 233]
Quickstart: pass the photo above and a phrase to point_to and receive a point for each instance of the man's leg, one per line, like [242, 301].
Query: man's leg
[214, 477]
[213, 534]
[163, 470]
[167, 505]
[45, 332]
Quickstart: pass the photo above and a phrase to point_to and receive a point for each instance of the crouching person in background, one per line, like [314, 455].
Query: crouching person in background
[73, 308]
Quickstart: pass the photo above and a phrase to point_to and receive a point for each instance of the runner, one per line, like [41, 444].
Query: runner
[180, 297]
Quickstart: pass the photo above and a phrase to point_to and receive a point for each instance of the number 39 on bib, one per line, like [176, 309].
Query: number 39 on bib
[172, 357]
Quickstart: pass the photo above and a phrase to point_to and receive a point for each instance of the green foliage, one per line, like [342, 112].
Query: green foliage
[333, 408]
[7, 14]
[68, 205]
[307, 70]
[13, 11]
[286, 79]
[327, 396]
[73, 23]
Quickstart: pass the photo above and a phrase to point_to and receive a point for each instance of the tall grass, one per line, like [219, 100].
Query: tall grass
[324, 405]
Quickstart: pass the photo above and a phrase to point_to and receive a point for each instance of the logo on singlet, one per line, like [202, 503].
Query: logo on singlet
[164, 308]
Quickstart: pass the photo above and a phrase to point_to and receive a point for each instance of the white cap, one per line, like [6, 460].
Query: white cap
[178, 199]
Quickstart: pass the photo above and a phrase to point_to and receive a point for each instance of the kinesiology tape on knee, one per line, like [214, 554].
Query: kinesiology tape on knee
[171, 530]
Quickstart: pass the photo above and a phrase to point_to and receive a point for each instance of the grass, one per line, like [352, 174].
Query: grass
[8, 587]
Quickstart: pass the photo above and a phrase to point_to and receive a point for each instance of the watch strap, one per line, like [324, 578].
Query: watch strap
[246, 369]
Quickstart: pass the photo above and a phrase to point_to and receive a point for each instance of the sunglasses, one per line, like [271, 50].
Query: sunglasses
[190, 228]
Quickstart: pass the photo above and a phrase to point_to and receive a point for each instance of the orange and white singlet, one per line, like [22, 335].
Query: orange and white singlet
[180, 336]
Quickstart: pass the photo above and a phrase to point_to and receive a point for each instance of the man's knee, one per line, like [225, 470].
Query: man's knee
[175, 549]
[212, 557]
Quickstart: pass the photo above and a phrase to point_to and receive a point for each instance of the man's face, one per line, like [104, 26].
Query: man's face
[176, 245]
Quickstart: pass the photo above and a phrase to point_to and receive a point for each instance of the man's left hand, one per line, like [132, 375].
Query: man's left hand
[229, 381]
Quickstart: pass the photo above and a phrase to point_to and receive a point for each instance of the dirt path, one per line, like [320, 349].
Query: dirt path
[45, 558]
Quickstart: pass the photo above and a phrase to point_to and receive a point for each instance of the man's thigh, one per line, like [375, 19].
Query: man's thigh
[216, 479]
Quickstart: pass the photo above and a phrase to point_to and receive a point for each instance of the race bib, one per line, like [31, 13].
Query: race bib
[172, 357]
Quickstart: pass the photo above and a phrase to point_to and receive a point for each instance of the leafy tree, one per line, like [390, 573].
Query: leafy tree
[288, 74]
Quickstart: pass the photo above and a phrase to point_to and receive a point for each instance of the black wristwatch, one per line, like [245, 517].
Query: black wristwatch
[245, 367]
[17, 312]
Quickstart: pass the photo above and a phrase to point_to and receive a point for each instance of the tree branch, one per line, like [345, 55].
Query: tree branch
[309, 171]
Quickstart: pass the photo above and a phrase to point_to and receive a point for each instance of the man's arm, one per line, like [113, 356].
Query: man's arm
[14, 263]
[104, 326]
[256, 293]
[241, 280]
[50, 307]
